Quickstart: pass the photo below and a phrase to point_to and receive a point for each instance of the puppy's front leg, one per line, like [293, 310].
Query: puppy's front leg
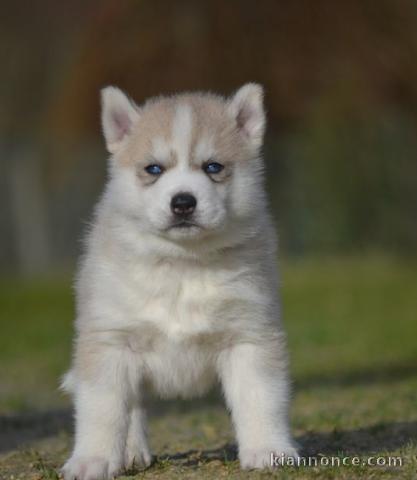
[255, 384]
[137, 450]
[101, 415]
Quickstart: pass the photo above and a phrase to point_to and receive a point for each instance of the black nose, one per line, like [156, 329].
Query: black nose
[183, 204]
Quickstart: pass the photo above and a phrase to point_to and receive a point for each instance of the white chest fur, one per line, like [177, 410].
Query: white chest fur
[175, 316]
[179, 299]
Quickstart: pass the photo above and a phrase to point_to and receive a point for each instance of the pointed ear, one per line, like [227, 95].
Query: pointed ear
[246, 106]
[118, 114]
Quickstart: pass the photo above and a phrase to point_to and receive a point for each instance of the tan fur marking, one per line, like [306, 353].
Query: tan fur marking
[210, 120]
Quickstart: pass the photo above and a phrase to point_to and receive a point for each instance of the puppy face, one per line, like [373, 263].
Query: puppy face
[186, 166]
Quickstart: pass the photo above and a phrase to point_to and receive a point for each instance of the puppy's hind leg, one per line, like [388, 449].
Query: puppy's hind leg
[137, 450]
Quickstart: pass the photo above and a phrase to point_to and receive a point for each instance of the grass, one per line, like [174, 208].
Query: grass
[352, 328]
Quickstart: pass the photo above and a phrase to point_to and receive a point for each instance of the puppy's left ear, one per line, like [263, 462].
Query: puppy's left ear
[247, 108]
[118, 115]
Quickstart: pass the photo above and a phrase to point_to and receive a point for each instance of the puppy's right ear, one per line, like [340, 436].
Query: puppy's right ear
[247, 108]
[118, 115]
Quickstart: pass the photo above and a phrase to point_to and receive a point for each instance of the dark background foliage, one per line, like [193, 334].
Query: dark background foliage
[341, 94]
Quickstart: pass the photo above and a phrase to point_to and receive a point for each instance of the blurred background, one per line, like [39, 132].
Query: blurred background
[341, 153]
[341, 94]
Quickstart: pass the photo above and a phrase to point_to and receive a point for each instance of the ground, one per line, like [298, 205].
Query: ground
[352, 328]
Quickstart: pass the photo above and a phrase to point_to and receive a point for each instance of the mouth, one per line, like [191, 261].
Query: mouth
[183, 225]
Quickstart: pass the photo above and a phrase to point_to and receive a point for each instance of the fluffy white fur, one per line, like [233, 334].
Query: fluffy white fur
[174, 309]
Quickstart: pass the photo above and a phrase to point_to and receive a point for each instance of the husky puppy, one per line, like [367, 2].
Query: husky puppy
[178, 285]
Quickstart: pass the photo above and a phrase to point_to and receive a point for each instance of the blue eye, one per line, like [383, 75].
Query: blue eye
[154, 169]
[213, 168]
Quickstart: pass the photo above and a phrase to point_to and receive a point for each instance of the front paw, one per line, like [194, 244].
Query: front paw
[138, 457]
[89, 468]
[251, 458]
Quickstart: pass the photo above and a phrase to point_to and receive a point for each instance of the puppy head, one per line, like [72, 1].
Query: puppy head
[185, 167]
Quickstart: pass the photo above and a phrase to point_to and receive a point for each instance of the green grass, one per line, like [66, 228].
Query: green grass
[352, 328]
[35, 341]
